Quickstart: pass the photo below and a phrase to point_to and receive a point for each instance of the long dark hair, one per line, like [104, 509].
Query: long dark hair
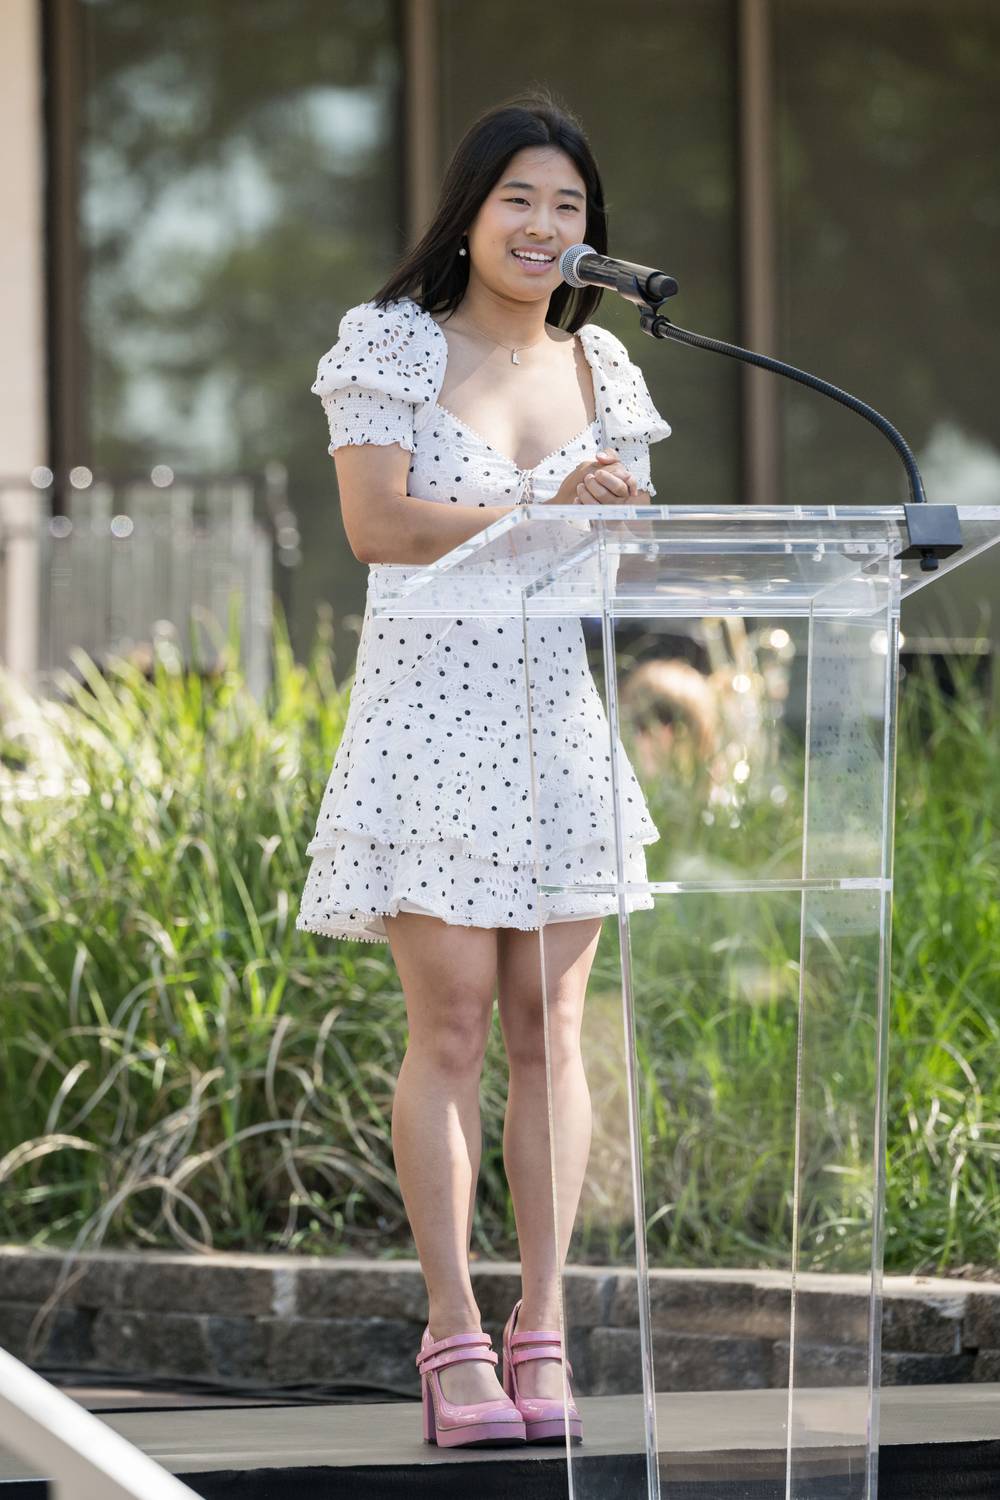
[433, 273]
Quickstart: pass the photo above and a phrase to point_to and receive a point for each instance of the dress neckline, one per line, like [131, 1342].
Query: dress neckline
[505, 457]
[439, 332]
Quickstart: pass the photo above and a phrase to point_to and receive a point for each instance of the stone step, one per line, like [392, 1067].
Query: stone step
[285, 1319]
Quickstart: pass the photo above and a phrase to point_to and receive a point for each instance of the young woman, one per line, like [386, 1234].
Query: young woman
[473, 383]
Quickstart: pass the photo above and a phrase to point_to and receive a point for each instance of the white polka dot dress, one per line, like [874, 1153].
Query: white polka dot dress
[429, 805]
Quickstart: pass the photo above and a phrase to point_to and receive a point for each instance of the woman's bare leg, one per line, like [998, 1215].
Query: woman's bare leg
[448, 976]
[569, 954]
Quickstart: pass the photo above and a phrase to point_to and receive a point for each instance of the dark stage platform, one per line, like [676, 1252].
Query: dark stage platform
[938, 1442]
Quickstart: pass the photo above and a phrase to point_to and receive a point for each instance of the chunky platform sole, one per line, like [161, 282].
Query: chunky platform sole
[484, 1434]
[554, 1431]
[545, 1419]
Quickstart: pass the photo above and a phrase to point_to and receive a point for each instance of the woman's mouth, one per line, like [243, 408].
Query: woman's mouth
[534, 260]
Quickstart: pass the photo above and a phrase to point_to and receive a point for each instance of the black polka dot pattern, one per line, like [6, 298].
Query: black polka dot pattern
[429, 803]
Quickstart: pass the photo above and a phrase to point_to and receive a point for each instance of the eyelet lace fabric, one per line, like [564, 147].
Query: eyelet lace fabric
[429, 804]
[398, 350]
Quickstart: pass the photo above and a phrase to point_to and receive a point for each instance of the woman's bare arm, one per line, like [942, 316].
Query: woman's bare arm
[386, 525]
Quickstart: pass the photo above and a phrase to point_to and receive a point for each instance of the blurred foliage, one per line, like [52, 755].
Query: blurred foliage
[178, 1064]
[198, 1069]
[717, 997]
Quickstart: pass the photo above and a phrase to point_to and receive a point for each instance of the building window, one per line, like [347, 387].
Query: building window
[239, 187]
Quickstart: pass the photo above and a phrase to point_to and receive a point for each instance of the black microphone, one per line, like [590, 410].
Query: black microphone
[581, 266]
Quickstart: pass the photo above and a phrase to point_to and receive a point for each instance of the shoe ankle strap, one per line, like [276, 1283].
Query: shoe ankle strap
[452, 1351]
[546, 1351]
[538, 1343]
[536, 1336]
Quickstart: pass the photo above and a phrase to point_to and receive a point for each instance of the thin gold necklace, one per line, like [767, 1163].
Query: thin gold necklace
[513, 351]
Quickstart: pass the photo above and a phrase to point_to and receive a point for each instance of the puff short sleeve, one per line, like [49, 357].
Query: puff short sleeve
[629, 420]
[381, 378]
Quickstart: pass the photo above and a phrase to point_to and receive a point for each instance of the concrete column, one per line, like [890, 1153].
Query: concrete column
[23, 437]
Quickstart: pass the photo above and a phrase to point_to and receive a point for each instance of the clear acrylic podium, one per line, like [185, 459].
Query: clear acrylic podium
[727, 1333]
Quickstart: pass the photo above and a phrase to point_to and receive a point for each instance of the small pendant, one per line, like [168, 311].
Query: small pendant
[513, 357]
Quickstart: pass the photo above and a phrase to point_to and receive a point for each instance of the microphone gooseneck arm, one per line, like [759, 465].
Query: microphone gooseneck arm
[660, 327]
[934, 530]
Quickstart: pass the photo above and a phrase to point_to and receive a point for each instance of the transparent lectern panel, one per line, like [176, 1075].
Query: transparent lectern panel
[850, 705]
[833, 1360]
[593, 1164]
[715, 988]
[712, 715]
[753, 561]
[833, 1351]
[546, 556]
[679, 560]
[730, 1045]
[669, 560]
[719, 1198]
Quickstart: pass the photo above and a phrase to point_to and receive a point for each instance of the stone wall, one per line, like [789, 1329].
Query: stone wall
[284, 1320]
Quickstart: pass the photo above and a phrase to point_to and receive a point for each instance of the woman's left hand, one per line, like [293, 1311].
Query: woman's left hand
[602, 480]
[607, 482]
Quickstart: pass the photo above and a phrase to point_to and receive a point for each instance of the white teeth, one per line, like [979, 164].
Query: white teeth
[544, 260]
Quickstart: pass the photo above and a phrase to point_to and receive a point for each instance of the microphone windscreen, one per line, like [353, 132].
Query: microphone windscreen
[568, 263]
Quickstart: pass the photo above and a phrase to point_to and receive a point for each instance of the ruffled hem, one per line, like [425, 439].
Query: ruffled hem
[473, 789]
[347, 937]
[352, 886]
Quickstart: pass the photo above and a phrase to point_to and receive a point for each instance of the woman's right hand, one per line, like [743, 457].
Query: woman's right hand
[603, 480]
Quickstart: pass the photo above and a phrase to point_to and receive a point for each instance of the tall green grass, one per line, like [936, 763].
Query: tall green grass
[717, 985]
[943, 1194]
[179, 1065]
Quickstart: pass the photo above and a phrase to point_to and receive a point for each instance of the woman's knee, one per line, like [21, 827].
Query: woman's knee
[451, 1037]
[525, 1048]
[524, 1034]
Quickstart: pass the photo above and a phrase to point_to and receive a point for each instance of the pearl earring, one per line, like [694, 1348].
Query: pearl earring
[463, 251]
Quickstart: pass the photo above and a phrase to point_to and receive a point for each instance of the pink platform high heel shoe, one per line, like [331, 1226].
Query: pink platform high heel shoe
[544, 1418]
[488, 1424]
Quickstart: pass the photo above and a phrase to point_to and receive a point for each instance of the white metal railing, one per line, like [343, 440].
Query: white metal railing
[134, 563]
[80, 1457]
[20, 511]
[134, 566]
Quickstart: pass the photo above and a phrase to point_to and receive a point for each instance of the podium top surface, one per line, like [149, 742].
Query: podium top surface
[680, 560]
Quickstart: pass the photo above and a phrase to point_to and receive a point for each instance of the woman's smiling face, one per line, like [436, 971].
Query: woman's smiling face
[535, 212]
